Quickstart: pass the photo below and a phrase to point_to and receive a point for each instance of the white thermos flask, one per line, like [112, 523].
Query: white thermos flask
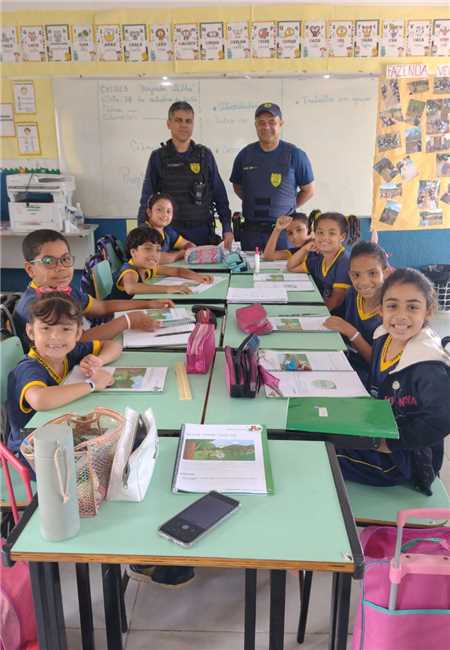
[56, 482]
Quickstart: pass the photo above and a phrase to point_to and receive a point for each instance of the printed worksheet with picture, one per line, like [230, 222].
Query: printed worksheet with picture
[289, 281]
[193, 286]
[257, 294]
[298, 323]
[317, 384]
[127, 378]
[304, 361]
[167, 317]
[172, 336]
[223, 457]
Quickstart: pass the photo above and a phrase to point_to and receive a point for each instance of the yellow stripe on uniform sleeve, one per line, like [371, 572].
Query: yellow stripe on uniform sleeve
[120, 278]
[305, 263]
[97, 347]
[89, 305]
[341, 285]
[22, 407]
[180, 242]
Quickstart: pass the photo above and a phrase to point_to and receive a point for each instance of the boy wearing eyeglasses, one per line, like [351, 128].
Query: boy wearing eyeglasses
[49, 264]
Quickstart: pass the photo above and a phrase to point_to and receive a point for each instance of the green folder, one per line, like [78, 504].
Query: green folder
[352, 416]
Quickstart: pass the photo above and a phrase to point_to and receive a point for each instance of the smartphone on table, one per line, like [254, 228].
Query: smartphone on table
[199, 518]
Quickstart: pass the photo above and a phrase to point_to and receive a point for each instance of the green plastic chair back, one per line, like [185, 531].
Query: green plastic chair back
[103, 279]
[379, 505]
[11, 352]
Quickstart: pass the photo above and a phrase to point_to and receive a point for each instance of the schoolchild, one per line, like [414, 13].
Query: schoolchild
[326, 257]
[49, 264]
[411, 369]
[143, 247]
[54, 329]
[298, 233]
[159, 214]
[368, 270]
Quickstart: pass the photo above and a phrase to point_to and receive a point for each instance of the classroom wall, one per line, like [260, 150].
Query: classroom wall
[407, 248]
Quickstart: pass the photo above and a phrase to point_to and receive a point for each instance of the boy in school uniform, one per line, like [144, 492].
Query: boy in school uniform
[49, 264]
[143, 246]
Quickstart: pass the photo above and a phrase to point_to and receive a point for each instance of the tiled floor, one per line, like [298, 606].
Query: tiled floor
[208, 613]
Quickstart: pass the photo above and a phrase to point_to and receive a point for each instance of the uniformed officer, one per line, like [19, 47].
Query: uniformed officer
[188, 172]
[272, 177]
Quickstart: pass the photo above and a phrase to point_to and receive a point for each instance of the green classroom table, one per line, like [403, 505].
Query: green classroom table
[215, 294]
[285, 340]
[270, 411]
[170, 412]
[245, 281]
[309, 501]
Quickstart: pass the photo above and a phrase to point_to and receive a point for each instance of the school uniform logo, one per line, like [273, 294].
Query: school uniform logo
[276, 179]
[195, 168]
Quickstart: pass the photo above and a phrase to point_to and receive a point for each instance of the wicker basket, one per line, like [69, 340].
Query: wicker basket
[95, 439]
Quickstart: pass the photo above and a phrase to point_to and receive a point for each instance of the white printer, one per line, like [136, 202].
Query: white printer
[39, 200]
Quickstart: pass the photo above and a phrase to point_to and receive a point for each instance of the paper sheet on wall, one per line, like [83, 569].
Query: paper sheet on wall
[59, 48]
[161, 45]
[9, 47]
[135, 48]
[314, 39]
[238, 40]
[318, 384]
[304, 361]
[83, 43]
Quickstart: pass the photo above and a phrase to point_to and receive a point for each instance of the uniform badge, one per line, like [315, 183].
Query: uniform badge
[195, 167]
[276, 179]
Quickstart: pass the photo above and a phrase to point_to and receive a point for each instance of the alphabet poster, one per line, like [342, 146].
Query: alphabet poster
[411, 188]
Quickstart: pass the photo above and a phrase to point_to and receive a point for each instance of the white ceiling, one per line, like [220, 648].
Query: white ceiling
[18, 5]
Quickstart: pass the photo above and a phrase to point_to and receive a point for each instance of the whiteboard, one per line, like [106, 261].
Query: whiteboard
[107, 129]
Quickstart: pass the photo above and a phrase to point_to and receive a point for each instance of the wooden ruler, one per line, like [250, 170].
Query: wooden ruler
[184, 390]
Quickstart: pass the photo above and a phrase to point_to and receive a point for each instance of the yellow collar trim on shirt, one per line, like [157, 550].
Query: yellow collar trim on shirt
[385, 364]
[364, 315]
[326, 268]
[34, 354]
[33, 285]
[148, 273]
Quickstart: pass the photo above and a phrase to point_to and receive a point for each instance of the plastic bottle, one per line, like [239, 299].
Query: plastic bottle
[78, 216]
[257, 260]
[56, 482]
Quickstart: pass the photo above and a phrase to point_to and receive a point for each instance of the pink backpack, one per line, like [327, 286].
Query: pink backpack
[405, 597]
[17, 621]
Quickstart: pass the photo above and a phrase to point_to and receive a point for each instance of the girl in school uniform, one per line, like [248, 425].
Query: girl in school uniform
[36, 384]
[159, 215]
[326, 258]
[368, 270]
[411, 369]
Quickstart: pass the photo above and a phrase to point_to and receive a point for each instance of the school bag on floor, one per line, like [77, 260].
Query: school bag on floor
[405, 596]
[17, 621]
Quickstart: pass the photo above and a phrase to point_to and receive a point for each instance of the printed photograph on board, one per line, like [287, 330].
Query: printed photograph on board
[391, 117]
[443, 164]
[386, 169]
[438, 116]
[437, 143]
[389, 141]
[441, 85]
[431, 218]
[390, 213]
[390, 94]
[413, 140]
[445, 198]
[427, 195]
[414, 111]
[418, 86]
[390, 190]
[407, 168]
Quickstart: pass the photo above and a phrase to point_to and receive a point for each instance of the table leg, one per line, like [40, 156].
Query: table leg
[305, 581]
[85, 606]
[340, 607]
[277, 607]
[48, 607]
[112, 602]
[250, 609]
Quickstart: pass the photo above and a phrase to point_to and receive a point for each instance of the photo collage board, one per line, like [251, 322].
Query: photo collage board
[411, 188]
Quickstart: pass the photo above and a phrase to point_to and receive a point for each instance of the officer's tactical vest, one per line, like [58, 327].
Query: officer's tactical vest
[268, 183]
[178, 176]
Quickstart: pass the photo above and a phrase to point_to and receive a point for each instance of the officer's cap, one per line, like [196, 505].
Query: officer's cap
[268, 107]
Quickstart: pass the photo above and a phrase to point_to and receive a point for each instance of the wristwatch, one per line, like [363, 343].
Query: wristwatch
[91, 384]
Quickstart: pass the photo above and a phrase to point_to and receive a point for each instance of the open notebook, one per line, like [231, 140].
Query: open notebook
[127, 378]
[170, 336]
